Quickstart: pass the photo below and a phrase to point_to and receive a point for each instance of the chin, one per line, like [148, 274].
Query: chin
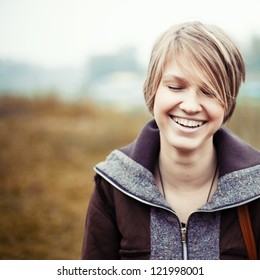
[188, 145]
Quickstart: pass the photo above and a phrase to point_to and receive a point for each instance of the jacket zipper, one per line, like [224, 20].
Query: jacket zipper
[184, 242]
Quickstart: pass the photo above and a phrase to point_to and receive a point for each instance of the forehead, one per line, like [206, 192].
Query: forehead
[182, 70]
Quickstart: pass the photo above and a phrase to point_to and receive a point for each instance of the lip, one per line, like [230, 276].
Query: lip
[186, 128]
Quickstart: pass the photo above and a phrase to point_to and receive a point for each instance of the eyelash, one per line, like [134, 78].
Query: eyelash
[208, 94]
[175, 88]
[179, 88]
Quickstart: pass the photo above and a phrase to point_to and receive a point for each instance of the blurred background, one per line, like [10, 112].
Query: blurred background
[71, 77]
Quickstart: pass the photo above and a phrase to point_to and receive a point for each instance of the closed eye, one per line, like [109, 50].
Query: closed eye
[208, 93]
[175, 88]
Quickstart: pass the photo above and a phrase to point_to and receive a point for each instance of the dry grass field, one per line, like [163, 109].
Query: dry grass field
[47, 152]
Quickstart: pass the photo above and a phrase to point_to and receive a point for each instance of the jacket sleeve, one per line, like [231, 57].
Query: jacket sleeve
[101, 236]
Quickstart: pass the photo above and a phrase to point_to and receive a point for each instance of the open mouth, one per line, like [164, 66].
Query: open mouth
[188, 123]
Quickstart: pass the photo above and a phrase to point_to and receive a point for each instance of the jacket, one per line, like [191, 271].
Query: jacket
[128, 218]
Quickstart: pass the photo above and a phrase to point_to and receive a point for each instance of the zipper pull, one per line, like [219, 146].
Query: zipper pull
[184, 244]
[183, 234]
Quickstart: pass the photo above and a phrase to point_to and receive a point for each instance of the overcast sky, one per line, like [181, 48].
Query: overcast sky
[57, 33]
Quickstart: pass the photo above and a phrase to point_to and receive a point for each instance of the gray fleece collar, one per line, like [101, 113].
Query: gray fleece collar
[136, 181]
[131, 178]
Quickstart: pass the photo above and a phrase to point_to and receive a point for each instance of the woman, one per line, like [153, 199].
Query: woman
[174, 192]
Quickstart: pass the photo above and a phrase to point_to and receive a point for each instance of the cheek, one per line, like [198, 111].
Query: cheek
[157, 102]
[218, 113]
[162, 100]
[159, 106]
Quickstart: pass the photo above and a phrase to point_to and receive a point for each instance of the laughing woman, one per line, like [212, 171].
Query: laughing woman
[176, 192]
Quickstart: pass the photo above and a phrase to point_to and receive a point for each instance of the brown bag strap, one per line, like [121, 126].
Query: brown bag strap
[246, 228]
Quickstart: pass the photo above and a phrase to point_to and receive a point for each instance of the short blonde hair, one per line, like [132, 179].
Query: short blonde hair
[213, 56]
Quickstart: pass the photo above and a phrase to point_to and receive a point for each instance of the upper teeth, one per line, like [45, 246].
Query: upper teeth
[188, 123]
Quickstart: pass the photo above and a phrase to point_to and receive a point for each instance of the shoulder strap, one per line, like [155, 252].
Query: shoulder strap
[246, 228]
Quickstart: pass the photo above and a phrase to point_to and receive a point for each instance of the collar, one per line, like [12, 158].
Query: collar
[130, 170]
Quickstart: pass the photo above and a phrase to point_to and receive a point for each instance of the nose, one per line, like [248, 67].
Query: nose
[191, 102]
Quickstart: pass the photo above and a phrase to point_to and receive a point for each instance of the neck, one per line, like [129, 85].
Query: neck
[187, 169]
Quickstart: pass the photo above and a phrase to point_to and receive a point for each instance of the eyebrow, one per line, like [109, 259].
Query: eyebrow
[173, 78]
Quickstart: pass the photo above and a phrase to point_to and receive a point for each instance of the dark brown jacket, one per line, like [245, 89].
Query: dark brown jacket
[129, 219]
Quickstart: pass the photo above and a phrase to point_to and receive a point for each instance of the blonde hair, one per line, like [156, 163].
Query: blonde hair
[217, 62]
